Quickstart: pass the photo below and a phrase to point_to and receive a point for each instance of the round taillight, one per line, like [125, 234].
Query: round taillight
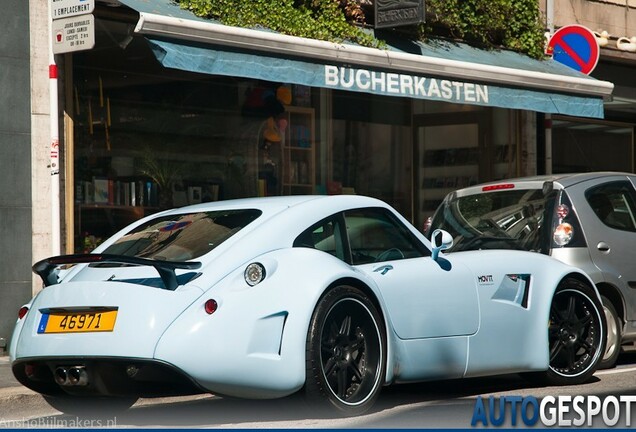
[22, 312]
[254, 274]
[563, 234]
[562, 211]
[211, 306]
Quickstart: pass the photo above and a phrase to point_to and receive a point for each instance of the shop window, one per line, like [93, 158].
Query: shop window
[149, 138]
[579, 146]
[372, 151]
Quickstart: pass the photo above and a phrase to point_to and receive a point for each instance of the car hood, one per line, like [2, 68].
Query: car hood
[143, 314]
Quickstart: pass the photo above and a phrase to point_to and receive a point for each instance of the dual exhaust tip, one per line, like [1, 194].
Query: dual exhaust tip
[71, 376]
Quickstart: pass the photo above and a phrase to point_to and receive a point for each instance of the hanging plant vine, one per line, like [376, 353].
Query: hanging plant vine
[330, 20]
[510, 24]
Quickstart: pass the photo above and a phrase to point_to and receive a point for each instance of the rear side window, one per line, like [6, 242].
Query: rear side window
[614, 204]
[325, 236]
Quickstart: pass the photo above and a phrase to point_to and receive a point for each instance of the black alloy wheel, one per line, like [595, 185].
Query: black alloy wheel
[576, 334]
[346, 352]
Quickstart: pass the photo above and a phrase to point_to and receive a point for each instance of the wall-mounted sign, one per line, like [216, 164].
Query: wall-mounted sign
[395, 13]
[76, 33]
[575, 46]
[67, 8]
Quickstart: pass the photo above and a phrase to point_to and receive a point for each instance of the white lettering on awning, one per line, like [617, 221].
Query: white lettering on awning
[405, 85]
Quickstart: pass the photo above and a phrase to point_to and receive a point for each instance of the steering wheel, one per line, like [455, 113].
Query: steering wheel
[390, 254]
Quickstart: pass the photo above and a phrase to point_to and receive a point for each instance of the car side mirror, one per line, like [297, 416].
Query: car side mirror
[441, 240]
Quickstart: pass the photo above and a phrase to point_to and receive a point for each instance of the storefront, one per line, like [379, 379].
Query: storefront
[169, 110]
[583, 144]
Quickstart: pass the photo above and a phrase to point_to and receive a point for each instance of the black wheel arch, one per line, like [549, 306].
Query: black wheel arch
[612, 293]
[580, 278]
[357, 283]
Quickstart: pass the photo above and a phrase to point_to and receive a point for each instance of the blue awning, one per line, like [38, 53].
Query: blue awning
[440, 71]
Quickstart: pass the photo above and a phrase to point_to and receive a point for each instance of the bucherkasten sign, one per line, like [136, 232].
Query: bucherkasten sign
[395, 13]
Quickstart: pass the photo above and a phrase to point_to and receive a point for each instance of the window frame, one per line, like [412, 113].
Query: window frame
[623, 187]
[339, 220]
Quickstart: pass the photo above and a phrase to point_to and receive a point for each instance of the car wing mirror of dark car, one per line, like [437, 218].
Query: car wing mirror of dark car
[441, 240]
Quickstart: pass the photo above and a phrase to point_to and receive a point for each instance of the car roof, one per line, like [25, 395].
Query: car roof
[275, 204]
[561, 181]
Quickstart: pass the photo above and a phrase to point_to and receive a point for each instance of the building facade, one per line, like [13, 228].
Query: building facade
[581, 144]
[148, 121]
[24, 153]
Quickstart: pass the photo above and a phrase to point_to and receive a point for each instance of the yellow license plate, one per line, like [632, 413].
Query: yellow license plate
[78, 322]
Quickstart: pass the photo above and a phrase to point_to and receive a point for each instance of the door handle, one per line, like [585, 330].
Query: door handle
[603, 247]
[383, 269]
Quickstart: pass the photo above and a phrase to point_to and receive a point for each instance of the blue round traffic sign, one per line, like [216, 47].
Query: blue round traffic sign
[575, 46]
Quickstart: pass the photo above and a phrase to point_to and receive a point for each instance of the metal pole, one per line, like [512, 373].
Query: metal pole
[55, 143]
[548, 117]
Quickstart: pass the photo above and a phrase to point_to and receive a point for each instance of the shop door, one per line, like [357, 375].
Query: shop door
[450, 150]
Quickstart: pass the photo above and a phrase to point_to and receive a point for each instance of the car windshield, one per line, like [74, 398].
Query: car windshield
[182, 237]
[510, 219]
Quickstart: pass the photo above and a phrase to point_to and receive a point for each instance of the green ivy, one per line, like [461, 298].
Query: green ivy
[511, 24]
[314, 19]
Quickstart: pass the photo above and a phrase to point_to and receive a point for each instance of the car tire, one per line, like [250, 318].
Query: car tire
[614, 335]
[90, 406]
[346, 353]
[576, 334]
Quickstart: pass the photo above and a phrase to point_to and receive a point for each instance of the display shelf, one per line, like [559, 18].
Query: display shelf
[298, 149]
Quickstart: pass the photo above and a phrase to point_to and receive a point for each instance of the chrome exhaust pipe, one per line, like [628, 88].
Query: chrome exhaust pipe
[71, 376]
[77, 376]
[61, 376]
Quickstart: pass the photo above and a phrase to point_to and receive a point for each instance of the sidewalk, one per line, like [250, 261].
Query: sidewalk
[7, 379]
[17, 401]
[10, 388]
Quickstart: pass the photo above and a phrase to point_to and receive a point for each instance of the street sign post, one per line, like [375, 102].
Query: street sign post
[67, 8]
[575, 46]
[76, 33]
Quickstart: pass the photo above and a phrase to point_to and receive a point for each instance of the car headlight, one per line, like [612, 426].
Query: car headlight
[563, 234]
[254, 274]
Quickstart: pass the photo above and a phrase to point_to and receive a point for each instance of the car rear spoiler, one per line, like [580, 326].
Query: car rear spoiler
[166, 269]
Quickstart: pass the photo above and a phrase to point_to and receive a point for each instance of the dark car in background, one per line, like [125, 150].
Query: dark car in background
[587, 220]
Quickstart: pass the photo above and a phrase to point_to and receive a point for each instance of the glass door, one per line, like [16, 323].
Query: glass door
[451, 152]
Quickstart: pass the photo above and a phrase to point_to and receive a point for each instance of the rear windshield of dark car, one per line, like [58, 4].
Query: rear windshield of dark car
[511, 219]
[182, 237]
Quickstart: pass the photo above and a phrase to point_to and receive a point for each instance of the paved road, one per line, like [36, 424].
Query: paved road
[429, 405]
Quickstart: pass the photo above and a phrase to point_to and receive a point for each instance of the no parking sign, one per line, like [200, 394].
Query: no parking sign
[575, 46]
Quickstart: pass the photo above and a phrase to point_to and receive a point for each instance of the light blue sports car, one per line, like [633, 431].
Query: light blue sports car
[333, 296]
